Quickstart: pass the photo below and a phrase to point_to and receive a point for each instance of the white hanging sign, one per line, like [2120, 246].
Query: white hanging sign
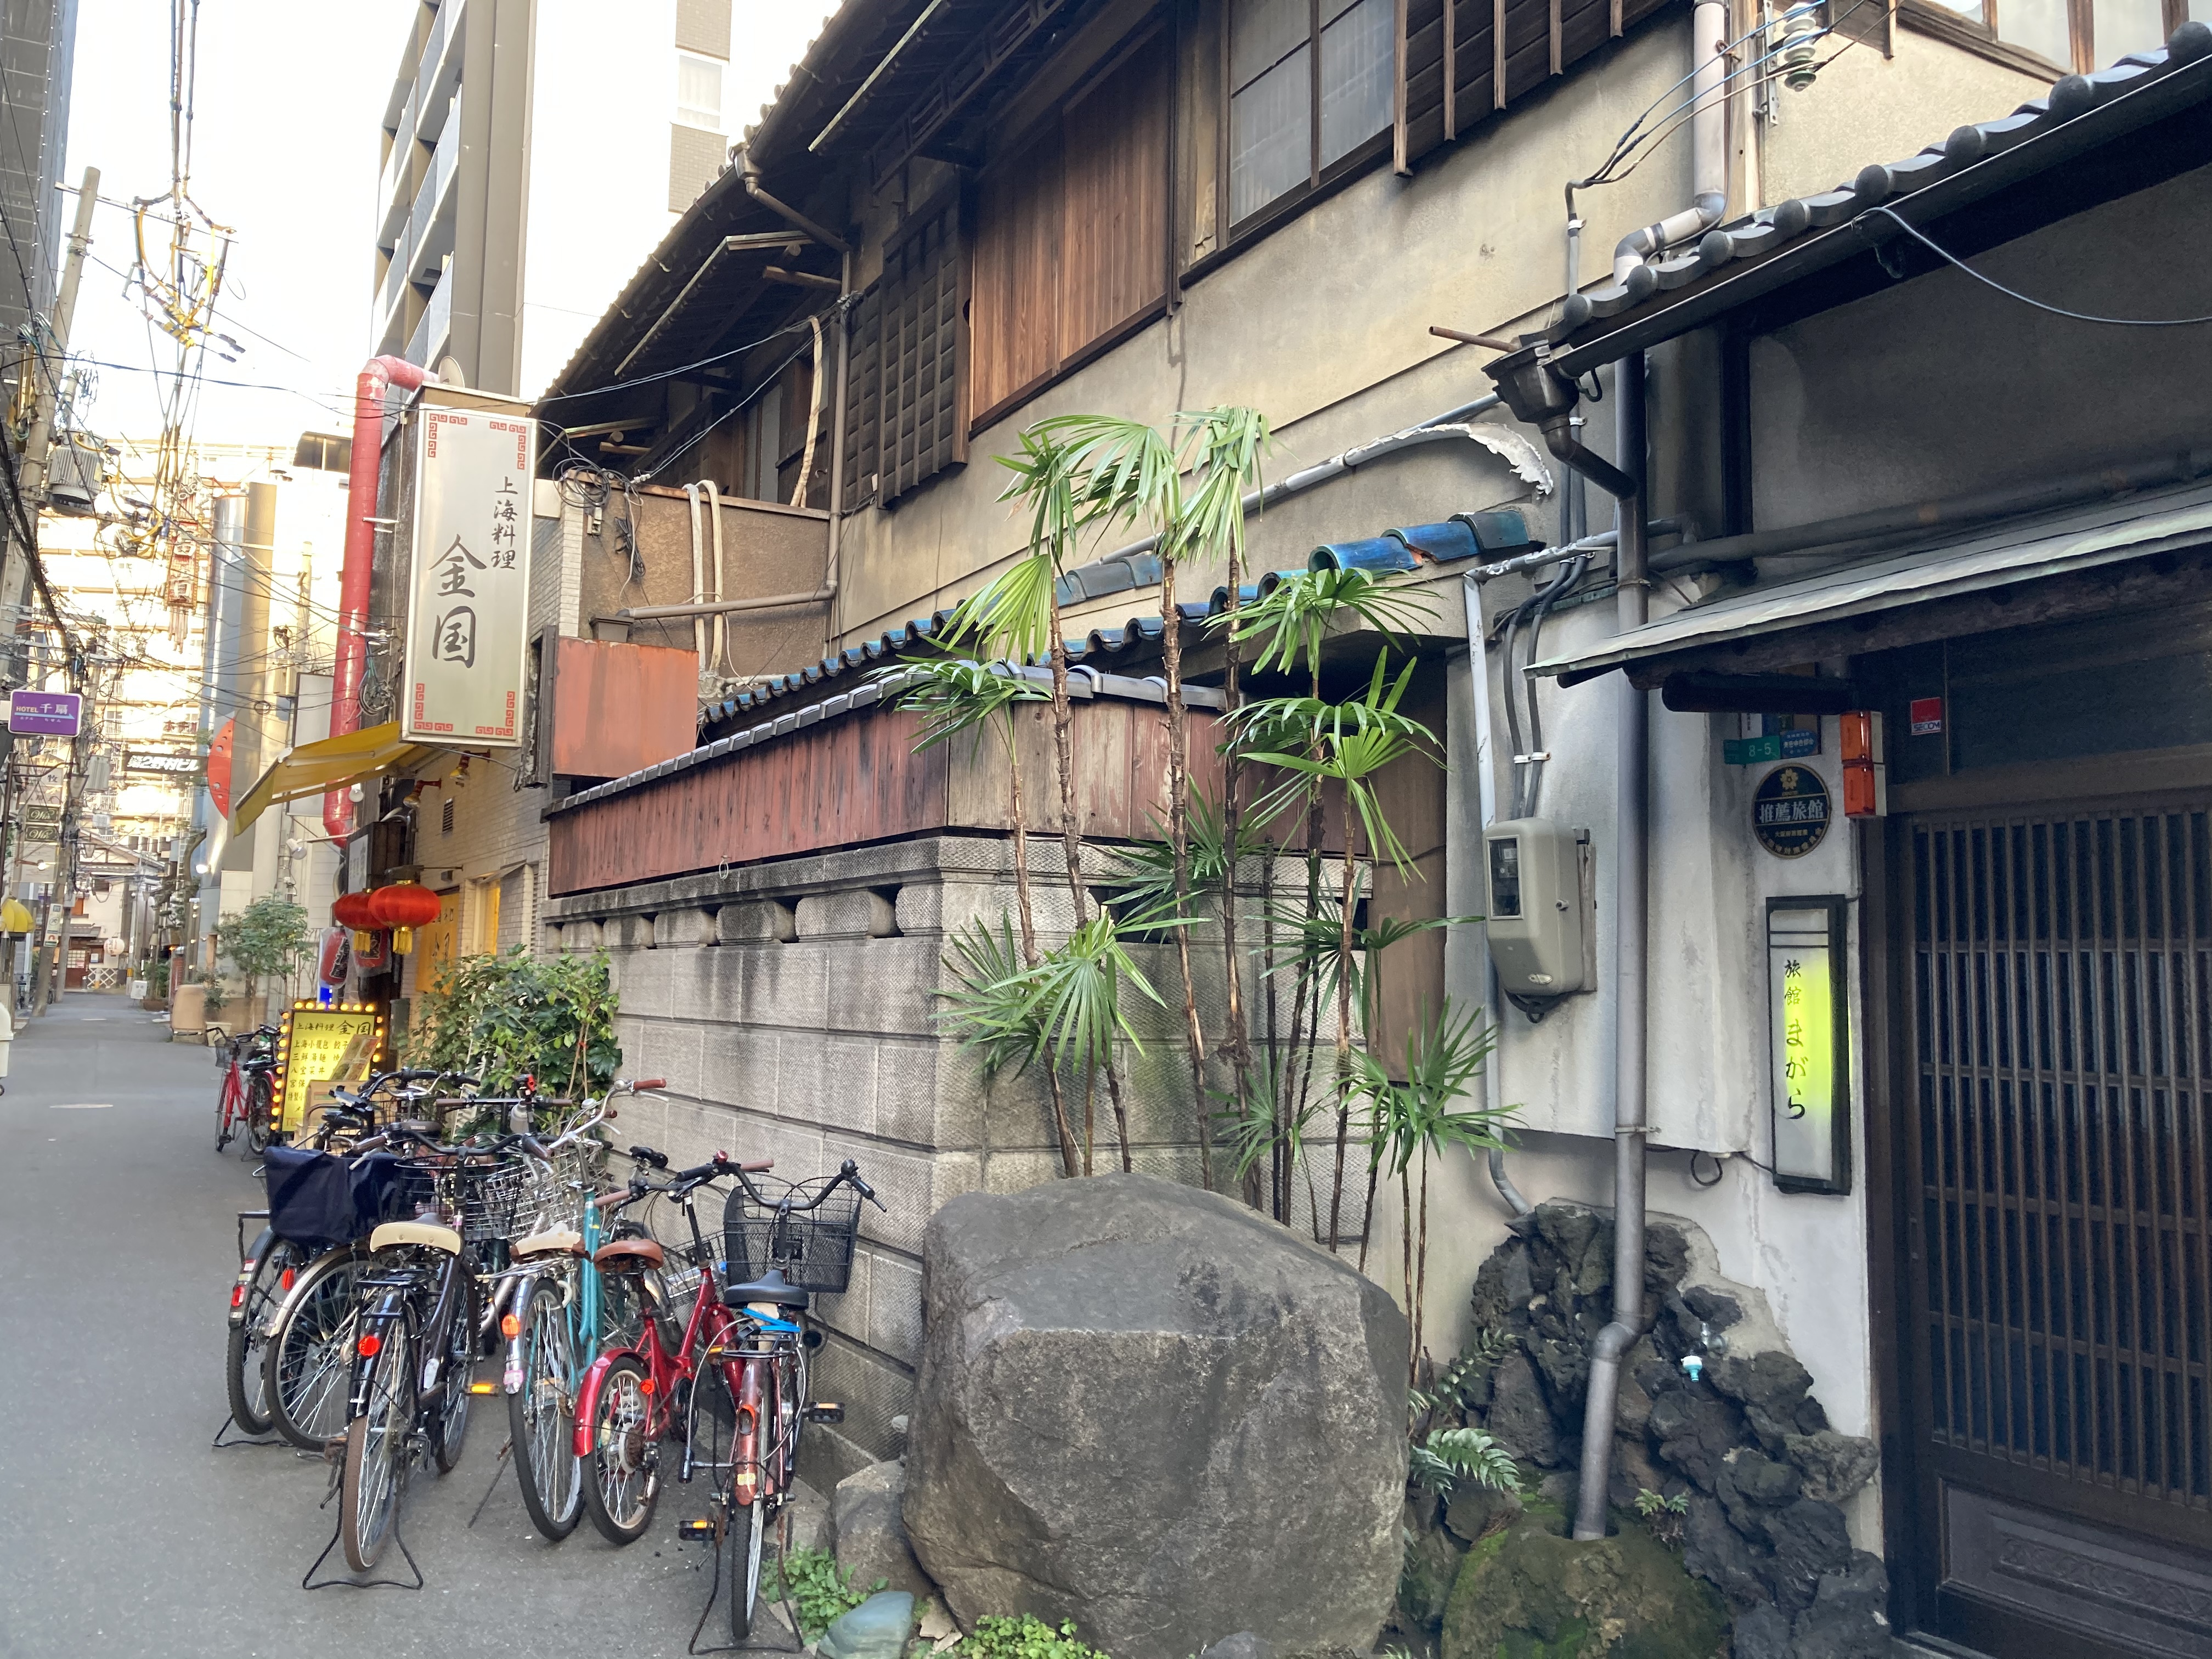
[468, 619]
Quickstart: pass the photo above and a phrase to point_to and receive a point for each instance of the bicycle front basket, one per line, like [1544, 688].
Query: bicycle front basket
[813, 1249]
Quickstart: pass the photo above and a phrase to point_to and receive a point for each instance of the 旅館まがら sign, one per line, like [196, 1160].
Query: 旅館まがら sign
[468, 615]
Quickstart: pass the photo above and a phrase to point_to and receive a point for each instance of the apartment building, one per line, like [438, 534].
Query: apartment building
[507, 118]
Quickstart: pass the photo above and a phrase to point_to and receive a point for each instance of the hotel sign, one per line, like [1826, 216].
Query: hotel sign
[1810, 1052]
[468, 619]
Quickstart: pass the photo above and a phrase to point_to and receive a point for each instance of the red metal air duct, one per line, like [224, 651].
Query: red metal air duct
[377, 377]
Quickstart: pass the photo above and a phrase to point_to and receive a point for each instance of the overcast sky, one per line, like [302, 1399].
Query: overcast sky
[286, 150]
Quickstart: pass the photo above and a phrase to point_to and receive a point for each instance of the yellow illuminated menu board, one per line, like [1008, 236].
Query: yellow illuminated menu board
[319, 1047]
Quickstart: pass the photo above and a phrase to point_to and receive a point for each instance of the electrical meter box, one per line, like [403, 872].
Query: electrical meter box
[1541, 905]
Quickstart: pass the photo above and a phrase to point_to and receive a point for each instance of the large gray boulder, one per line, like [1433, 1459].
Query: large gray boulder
[1146, 1409]
[871, 1546]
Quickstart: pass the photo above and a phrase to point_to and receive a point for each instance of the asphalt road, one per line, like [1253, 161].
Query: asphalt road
[121, 1531]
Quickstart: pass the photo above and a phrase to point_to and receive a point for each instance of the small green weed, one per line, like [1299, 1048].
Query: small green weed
[1025, 1637]
[818, 1592]
[1662, 1515]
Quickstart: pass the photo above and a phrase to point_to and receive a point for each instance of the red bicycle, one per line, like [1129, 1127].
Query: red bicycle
[750, 1335]
[247, 1099]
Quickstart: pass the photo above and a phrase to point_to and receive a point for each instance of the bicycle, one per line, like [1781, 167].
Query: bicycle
[417, 1332]
[268, 1271]
[550, 1310]
[306, 1344]
[740, 1331]
[246, 1098]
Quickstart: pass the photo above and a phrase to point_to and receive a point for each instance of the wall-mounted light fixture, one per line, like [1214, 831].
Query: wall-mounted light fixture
[1809, 1043]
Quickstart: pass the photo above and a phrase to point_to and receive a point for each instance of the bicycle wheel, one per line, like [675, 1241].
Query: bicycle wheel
[246, 1368]
[622, 1480]
[376, 1448]
[260, 1113]
[310, 1353]
[742, 1538]
[457, 1366]
[541, 1417]
[226, 1108]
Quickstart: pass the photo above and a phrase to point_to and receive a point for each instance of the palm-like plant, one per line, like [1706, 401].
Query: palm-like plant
[1345, 747]
[1073, 995]
[992, 1014]
[1425, 1113]
[1186, 485]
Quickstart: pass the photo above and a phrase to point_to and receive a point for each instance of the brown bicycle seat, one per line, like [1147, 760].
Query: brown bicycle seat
[627, 1256]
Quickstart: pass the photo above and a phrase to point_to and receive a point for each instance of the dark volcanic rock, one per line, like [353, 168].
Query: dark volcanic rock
[1271, 1381]
[1761, 1632]
[1721, 1555]
[1715, 1309]
[1847, 1618]
[1809, 1539]
[1695, 1432]
[1519, 1416]
[1835, 1466]
[1769, 1387]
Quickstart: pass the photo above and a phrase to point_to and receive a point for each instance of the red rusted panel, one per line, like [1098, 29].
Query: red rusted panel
[619, 708]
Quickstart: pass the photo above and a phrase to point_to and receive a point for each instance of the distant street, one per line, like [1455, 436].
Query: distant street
[121, 1532]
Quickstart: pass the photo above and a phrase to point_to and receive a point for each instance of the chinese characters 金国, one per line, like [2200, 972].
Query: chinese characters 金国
[453, 634]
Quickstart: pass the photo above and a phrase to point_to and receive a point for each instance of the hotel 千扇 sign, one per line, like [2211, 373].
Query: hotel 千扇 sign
[468, 616]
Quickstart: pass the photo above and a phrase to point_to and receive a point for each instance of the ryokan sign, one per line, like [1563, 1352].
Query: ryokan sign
[468, 608]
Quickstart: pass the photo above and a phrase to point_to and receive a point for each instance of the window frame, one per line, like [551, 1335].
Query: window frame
[684, 55]
[1231, 234]
[1981, 36]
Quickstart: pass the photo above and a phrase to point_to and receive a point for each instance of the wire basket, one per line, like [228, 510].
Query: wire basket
[482, 1197]
[812, 1249]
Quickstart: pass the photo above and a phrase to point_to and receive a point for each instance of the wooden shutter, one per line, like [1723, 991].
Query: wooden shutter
[1015, 310]
[1114, 222]
[905, 402]
[1461, 60]
[1072, 231]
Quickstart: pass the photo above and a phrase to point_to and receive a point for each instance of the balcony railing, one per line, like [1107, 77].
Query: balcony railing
[433, 332]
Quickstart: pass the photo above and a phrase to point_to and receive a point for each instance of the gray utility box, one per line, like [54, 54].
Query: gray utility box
[1541, 906]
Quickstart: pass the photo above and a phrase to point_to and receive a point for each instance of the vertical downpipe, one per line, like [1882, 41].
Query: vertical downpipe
[1630, 855]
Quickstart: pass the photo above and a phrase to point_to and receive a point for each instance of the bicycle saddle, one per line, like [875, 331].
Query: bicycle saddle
[771, 1287]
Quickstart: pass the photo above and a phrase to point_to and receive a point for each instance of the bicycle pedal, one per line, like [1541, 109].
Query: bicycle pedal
[702, 1529]
[483, 1387]
[825, 1411]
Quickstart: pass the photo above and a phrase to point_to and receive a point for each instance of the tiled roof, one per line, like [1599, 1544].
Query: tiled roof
[1772, 229]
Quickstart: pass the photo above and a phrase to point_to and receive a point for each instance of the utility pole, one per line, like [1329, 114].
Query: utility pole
[51, 972]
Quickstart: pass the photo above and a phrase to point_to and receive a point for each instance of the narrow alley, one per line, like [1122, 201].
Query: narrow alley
[123, 1531]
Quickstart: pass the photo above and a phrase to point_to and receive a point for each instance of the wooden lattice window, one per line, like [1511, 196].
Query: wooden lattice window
[906, 377]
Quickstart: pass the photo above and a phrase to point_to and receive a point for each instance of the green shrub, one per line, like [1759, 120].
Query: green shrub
[510, 1016]
[1025, 1637]
[818, 1591]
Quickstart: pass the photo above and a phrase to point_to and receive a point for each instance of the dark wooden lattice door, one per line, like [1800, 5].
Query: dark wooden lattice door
[2059, 1260]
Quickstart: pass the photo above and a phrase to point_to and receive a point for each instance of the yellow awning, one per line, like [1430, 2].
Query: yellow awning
[329, 763]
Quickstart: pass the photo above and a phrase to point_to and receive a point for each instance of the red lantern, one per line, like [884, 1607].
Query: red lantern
[352, 910]
[405, 905]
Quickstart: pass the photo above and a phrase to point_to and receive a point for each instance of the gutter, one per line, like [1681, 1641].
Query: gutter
[748, 174]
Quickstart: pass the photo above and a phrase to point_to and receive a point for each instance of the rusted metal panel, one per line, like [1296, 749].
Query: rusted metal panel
[844, 782]
[855, 778]
[619, 708]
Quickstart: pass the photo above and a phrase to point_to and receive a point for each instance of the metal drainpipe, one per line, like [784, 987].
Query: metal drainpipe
[357, 574]
[1708, 148]
[1630, 852]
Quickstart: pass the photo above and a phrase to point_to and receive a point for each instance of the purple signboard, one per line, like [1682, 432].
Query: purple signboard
[44, 713]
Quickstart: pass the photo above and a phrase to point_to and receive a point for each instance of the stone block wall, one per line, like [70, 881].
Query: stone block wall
[792, 1007]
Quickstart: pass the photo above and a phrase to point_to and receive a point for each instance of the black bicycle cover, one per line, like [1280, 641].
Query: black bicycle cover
[311, 1198]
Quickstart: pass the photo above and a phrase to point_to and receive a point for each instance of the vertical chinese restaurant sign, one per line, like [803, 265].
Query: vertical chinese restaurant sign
[468, 621]
[1805, 965]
